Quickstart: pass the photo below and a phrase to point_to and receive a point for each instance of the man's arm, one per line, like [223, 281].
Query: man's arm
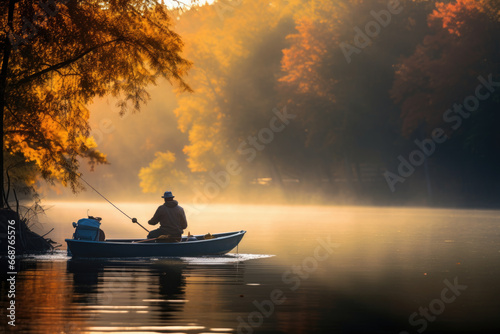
[156, 218]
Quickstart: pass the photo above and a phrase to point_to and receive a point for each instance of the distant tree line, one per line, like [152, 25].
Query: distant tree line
[394, 101]
[367, 81]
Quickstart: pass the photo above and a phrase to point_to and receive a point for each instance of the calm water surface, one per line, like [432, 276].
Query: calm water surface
[299, 269]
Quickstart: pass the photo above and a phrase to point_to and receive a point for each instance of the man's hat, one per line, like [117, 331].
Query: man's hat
[168, 194]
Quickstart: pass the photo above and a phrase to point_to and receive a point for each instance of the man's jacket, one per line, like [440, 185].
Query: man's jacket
[171, 217]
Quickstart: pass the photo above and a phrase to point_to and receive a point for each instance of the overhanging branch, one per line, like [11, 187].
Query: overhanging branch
[65, 63]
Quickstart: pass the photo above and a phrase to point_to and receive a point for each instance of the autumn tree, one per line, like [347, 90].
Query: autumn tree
[162, 170]
[57, 56]
[436, 87]
[443, 70]
[263, 56]
[232, 77]
[348, 116]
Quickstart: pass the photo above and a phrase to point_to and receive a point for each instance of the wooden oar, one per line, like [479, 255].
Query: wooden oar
[165, 238]
[144, 240]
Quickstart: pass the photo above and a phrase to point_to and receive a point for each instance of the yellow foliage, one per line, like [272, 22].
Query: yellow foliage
[216, 45]
[90, 49]
[161, 174]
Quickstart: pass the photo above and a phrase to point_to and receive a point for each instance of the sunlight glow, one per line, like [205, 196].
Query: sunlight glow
[114, 307]
[145, 328]
[109, 311]
[187, 3]
[166, 300]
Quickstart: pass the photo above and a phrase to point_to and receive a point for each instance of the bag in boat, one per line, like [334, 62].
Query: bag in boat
[88, 229]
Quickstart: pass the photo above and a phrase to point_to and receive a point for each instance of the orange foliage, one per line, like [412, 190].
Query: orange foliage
[443, 69]
[454, 16]
[217, 48]
[87, 49]
[302, 61]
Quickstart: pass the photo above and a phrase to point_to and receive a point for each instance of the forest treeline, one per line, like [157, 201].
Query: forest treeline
[387, 102]
[349, 101]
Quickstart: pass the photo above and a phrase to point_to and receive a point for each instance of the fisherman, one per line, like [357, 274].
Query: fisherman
[172, 220]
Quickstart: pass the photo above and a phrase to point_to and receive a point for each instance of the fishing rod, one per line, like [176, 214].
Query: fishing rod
[134, 220]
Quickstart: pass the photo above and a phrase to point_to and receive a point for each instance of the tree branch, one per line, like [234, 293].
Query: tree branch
[64, 63]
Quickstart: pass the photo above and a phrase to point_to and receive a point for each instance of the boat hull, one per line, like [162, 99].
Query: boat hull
[222, 243]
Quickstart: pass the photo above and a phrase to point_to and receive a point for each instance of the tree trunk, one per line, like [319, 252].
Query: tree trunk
[3, 87]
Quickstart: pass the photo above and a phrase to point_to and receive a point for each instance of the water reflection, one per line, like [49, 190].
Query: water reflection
[114, 296]
[390, 263]
[129, 293]
[171, 282]
[132, 293]
[43, 299]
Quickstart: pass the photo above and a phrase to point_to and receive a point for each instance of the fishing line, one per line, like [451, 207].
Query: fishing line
[94, 189]
[117, 208]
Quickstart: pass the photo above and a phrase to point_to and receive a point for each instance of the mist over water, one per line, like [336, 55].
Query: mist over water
[339, 269]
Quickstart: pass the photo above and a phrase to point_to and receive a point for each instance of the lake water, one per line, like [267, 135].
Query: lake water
[299, 269]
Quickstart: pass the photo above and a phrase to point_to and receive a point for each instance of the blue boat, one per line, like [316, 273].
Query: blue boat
[85, 243]
[221, 243]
